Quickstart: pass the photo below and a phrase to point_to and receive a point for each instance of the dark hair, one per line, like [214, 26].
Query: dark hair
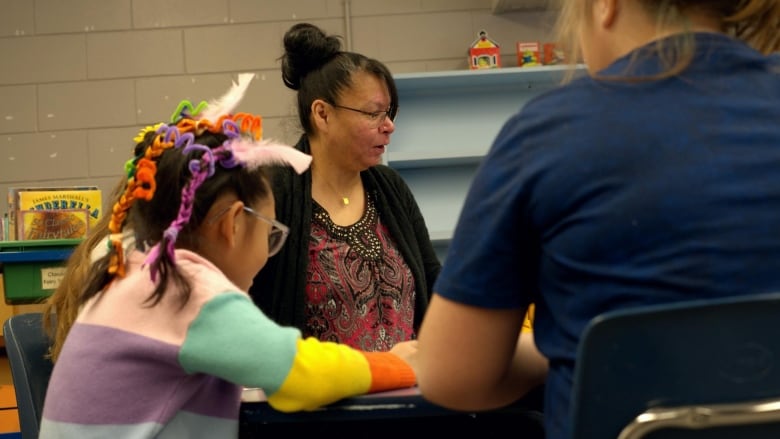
[314, 65]
[62, 306]
[151, 218]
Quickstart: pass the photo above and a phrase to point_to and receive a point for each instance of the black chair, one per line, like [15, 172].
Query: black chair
[698, 369]
[26, 345]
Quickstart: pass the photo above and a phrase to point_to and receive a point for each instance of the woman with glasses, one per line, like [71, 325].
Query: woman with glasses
[166, 335]
[359, 265]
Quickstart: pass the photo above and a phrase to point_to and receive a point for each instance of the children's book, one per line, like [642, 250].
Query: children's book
[528, 54]
[53, 224]
[53, 212]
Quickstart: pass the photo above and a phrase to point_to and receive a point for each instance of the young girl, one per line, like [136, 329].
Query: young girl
[166, 335]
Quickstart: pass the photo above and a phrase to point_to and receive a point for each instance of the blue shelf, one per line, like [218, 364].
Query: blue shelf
[413, 160]
[35, 256]
[446, 124]
[440, 236]
[506, 77]
[41, 250]
[440, 191]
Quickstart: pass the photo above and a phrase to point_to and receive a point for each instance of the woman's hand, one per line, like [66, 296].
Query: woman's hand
[407, 350]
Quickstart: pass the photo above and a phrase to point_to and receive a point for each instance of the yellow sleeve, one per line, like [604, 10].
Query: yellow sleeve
[324, 372]
[528, 323]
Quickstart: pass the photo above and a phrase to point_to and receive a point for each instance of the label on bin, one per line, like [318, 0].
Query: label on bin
[51, 277]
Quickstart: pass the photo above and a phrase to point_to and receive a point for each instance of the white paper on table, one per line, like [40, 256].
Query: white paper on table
[253, 394]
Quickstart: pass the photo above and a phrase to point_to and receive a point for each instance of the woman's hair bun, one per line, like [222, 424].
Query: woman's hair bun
[306, 48]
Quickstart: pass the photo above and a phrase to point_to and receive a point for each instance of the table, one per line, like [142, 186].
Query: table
[390, 413]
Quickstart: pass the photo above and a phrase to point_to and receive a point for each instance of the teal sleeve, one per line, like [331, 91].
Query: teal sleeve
[232, 339]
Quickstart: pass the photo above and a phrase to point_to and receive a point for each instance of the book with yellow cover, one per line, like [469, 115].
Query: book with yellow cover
[53, 212]
[53, 224]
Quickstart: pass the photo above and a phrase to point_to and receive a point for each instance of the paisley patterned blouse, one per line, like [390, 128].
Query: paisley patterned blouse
[359, 290]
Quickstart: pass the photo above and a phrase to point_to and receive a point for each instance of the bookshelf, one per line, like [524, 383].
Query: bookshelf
[445, 125]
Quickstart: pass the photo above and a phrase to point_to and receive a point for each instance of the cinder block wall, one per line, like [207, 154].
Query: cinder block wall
[79, 78]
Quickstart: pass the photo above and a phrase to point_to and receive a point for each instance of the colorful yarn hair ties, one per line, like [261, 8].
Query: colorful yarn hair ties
[144, 177]
[116, 263]
[191, 112]
[243, 147]
[141, 134]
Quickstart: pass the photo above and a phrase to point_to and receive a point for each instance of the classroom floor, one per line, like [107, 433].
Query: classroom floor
[9, 417]
[5, 370]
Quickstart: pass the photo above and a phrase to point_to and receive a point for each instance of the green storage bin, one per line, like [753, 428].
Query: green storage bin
[33, 269]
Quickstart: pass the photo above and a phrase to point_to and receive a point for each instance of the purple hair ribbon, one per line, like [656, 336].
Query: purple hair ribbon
[231, 129]
[184, 140]
[237, 150]
[185, 212]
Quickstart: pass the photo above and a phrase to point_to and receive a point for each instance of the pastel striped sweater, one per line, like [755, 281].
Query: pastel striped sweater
[128, 370]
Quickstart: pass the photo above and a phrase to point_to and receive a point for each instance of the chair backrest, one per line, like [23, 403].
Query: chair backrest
[26, 345]
[708, 368]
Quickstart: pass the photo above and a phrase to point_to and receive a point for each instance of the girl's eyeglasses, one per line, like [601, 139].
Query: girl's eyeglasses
[278, 234]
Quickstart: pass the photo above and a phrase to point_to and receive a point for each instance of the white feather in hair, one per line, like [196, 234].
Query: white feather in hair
[229, 101]
[269, 152]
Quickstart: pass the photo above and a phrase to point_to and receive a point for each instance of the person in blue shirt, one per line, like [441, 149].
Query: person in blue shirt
[654, 178]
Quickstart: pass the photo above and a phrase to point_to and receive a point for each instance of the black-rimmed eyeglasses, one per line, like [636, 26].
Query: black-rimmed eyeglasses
[377, 118]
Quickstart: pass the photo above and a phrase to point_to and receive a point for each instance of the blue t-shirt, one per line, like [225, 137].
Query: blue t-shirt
[603, 195]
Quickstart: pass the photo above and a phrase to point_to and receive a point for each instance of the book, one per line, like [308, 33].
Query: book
[528, 54]
[53, 224]
[68, 207]
[552, 54]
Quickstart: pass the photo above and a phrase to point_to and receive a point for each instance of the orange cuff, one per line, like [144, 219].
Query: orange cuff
[389, 371]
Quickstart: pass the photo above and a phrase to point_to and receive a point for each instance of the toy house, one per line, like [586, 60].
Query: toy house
[484, 53]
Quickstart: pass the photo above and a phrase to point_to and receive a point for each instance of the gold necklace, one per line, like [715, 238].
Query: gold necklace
[344, 198]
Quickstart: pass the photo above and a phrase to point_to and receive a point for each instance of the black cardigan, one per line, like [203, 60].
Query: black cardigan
[280, 287]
